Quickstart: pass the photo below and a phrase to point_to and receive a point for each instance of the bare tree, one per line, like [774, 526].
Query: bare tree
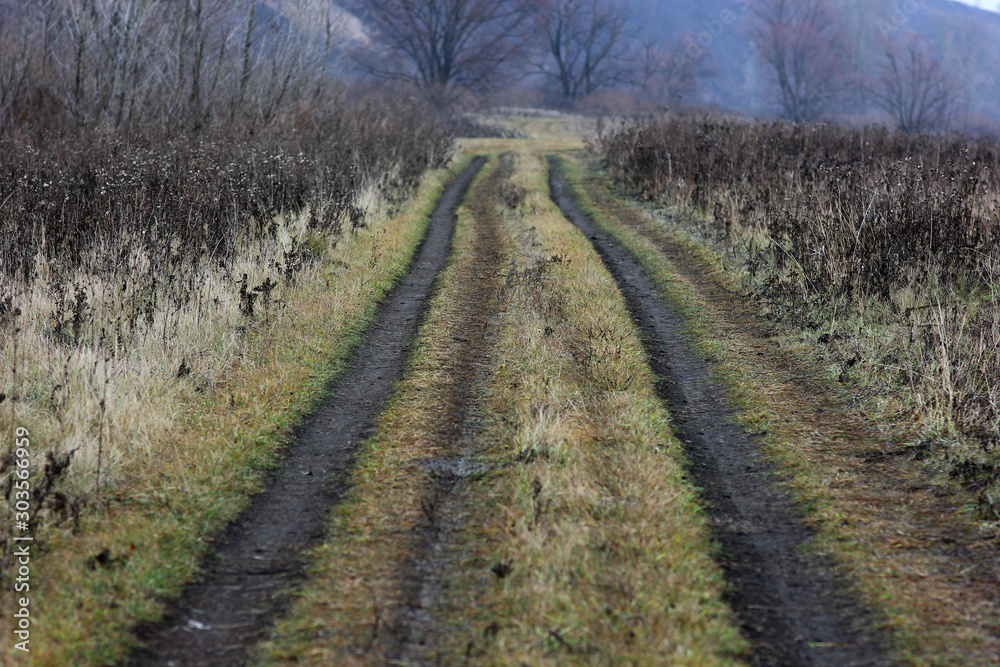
[442, 46]
[586, 45]
[127, 22]
[80, 27]
[15, 66]
[914, 88]
[246, 57]
[101, 53]
[333, 26]
[198, 72]
[287, 69]
[243, 64]
[163, 64]
[802, 44]
[666, 73]
[186, 53]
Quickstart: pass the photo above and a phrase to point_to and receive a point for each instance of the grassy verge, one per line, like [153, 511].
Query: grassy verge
[907, 537]
[205, 448]
[581, 541]
[880, 246]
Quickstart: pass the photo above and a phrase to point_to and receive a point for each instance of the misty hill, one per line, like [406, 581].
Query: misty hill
[967, 39]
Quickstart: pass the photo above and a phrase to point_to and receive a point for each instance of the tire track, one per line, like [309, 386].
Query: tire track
[425, 580]
[790, 603]
[219, 619]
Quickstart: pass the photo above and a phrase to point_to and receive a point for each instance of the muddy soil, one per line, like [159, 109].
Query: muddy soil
[219, 619]
[789, 602]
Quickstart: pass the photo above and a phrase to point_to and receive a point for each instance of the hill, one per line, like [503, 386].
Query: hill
[966, 39]
[964, 36]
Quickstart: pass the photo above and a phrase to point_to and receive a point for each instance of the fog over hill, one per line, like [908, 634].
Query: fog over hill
[733, 78]
[967, 39]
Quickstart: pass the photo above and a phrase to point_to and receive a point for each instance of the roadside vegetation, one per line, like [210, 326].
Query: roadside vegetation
[159, 369]
[909, 537]
[881, 247]
[579, 540]
[133, 253]
[197, 220]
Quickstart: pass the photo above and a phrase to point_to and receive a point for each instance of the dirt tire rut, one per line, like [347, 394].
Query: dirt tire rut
[425, 581]
[789, 602]
[219, 619]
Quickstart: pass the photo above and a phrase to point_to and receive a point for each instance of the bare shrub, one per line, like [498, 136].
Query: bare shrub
[167, 170]
[855, 231]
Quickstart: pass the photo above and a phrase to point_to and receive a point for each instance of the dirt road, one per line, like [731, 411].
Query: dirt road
[527, 464]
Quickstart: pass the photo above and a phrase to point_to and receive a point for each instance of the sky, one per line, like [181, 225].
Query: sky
[984, 4]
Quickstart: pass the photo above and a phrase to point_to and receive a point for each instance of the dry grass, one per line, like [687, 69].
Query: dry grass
[907, 537]
[881, 247]
[544, 135]
[144, 381]
[183, 451]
